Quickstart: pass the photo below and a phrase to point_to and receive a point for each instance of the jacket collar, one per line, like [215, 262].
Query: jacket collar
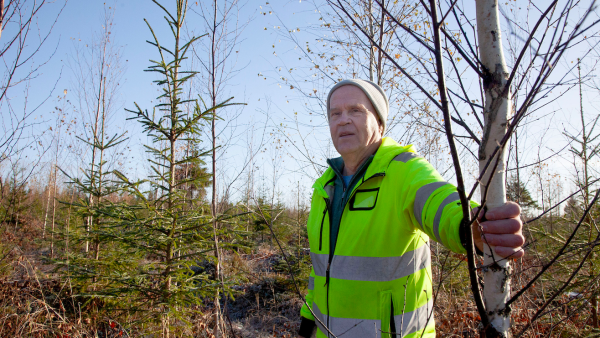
[381, 160]
[337, 165]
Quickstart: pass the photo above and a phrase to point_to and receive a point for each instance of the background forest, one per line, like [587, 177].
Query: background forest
[157, 156]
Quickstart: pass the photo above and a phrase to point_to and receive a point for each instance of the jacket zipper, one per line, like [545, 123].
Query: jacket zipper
[327, 207]
[331, 255]
[321, 232]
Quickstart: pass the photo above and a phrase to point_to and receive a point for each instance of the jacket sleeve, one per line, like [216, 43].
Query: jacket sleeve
[432, 204]
[308, 320]
[305, 311]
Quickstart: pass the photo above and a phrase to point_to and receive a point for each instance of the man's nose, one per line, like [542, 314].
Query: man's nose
[344, 118]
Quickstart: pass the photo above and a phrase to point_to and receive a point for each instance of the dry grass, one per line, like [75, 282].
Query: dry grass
[35, 303]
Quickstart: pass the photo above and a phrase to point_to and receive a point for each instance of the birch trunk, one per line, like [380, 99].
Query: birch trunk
[218, 331]
[497, 110]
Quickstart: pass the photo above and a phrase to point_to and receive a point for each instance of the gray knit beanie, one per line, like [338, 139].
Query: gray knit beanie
[373, 91]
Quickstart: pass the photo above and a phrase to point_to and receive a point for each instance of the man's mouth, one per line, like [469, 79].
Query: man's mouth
[346, 134]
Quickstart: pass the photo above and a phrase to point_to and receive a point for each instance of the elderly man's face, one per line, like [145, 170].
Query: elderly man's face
[352, 121]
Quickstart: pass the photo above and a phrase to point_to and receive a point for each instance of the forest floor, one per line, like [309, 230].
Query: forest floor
[34, 302]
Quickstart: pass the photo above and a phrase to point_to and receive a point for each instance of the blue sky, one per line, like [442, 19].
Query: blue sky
[82, 18]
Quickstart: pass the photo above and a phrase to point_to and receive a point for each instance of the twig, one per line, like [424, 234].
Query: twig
[466, 221]
[560, 252]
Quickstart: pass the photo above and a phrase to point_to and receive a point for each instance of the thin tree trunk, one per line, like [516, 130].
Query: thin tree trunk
[172, 155]
[53, 215]
[47, 204]
[586, 197]
[58, 130]
[218, 332]
[100, 164]
[16, 209]
[371, 45]
[496, 114]
[379, 50]
[90, 219]
[67, 228]
[250, 188]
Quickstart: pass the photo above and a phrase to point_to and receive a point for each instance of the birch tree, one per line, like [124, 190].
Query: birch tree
[496, 112]
[218, 56]
[97, 71]
[454, 41]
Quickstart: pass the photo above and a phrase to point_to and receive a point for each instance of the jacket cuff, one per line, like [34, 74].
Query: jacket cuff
[306, 328]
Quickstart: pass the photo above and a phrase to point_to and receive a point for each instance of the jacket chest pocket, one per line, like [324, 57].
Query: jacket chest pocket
[364, 199]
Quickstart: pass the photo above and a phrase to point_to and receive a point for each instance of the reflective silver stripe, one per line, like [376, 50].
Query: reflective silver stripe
[406, 156]
[329, 189]
[311, 283]
[319, 262]
[348, 327]
[421, 198]
[414, 321]
[453, 197]
[373, 269]
[406, 323]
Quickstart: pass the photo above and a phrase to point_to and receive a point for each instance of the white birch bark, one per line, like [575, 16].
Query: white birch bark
[497, 111]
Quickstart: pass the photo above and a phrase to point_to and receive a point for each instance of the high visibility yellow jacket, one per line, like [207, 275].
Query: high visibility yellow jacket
[379, 277]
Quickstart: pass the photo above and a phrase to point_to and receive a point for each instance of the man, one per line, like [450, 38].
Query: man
[372, 214]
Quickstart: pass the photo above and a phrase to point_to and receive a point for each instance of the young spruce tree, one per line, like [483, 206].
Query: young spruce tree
[158, 229]
[171, 236]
